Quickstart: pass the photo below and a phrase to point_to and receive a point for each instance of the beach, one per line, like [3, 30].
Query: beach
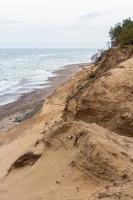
[72, 147]
[29, 75]
[66, 100]
[30, 103]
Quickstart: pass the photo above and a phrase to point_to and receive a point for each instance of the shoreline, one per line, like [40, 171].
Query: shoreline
[30, 103]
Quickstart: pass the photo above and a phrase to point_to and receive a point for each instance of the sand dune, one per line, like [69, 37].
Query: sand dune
[77, 147]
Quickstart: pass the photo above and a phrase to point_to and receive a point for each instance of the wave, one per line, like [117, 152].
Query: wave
[24, 70]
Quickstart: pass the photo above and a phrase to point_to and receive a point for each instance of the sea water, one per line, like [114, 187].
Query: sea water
[24, 70]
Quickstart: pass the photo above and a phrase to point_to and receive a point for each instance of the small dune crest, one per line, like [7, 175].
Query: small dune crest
[27, 159]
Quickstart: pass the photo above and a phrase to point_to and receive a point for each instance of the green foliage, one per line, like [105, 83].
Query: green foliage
[122, 33]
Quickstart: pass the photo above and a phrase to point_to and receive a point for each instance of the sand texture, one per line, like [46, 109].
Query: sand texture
[79, 146]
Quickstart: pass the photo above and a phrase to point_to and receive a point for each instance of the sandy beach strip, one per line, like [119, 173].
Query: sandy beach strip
[30, 103]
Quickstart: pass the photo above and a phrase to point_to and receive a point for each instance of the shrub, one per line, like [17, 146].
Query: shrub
[122, 33]
[97, 56]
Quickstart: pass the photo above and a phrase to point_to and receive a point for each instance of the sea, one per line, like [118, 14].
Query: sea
[24, 70]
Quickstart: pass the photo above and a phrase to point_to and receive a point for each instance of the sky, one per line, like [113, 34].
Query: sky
[60, 23]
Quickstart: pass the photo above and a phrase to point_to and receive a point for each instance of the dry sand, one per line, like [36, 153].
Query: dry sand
[80, 159]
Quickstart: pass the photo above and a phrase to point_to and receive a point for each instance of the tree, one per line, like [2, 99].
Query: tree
[122, 33]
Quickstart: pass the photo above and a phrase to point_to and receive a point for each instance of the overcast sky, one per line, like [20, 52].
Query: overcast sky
[59, 23]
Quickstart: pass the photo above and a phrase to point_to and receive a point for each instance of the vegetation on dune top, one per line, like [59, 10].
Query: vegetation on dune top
[122, 33]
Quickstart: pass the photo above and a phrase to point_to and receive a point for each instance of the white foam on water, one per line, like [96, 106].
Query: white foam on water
[23, 70]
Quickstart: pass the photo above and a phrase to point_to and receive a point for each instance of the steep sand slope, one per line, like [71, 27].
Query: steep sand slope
[66, 152]
[107, 98]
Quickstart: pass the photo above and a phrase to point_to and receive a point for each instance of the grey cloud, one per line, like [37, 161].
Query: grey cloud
[95, 14]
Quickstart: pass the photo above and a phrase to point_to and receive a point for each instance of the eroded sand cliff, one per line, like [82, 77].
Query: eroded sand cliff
[80, 145]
